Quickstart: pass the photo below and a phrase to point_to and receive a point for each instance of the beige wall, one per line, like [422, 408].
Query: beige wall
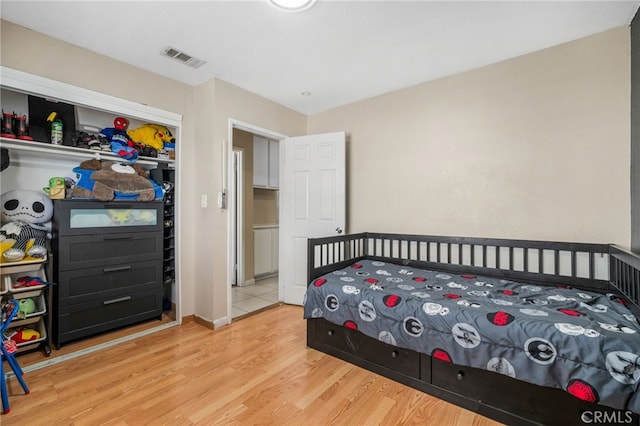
[206, 110]
[32, 52]
[536, 147]
[265, 206]
[236, 103]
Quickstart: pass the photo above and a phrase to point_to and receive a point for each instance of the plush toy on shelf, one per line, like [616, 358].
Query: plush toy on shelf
[26, 306]
[120, 142]
[56, 188]
[23, 335]
[109, 180]
[154, 136]
[28, 281]
[26, 217]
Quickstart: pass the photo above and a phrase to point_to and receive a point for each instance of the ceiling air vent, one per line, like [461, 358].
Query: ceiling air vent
[182, 57]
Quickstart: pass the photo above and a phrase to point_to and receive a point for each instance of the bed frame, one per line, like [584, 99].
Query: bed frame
[598, 267]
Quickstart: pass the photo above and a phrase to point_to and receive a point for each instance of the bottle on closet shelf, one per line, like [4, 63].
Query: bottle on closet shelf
[56, 128]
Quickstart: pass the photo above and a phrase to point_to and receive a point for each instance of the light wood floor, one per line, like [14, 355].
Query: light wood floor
[257, 370]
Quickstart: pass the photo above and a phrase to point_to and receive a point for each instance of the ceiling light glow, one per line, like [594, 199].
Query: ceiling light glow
[292, 5]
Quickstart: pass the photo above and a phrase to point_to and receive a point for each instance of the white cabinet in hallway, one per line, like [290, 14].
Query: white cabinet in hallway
[265, 246]
[266, 163]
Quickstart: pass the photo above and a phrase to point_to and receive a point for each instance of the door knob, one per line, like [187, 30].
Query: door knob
[339, 230]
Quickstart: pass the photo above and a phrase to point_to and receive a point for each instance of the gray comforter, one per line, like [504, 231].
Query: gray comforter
[583, 342]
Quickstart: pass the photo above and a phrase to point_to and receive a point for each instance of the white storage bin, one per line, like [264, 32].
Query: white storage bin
[15, 287]
[38, 297]
[37, 323]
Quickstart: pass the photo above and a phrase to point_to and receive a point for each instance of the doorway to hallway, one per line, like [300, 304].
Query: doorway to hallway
[254, 216]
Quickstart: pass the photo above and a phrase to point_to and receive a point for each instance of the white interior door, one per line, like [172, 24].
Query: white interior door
[312, 203]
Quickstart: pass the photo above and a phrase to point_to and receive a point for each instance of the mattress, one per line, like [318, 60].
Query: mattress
[555, 336]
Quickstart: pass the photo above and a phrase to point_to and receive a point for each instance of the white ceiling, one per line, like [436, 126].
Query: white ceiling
[340, 51]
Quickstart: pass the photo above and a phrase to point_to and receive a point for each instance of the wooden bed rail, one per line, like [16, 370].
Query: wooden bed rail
[594, 266]
[624, 274]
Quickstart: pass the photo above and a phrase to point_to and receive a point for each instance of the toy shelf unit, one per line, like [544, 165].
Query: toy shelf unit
[26, 282]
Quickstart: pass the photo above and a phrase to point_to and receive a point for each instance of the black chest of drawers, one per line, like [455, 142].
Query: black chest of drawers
[107, 263]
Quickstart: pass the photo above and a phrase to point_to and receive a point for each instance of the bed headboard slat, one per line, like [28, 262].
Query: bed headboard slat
[601, 267]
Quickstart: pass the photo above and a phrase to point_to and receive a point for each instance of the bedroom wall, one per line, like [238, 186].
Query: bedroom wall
[536, 147]
[239, 104]
[206, 110]
[35, 53]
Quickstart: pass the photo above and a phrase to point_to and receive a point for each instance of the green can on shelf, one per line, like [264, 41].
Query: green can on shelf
[56, 128]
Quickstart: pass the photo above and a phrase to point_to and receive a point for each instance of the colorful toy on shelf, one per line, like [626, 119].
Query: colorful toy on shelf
[56, 188]
[109, 180]
[21, 129]
[27, 281]
[27, 306]
[153, 136]
[120, 142]
[23, 335]
[26, 217]
[14, 126]
[7, 125]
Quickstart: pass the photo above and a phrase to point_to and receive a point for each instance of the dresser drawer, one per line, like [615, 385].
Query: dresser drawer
[74, 217]
[86, 319]
[87, 251]
[353, 342]
[83, 285]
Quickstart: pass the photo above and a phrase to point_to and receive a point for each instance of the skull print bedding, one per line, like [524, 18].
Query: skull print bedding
[585, 343]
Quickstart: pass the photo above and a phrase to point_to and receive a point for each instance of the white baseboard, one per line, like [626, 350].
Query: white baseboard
[252, 281]
[221, 322]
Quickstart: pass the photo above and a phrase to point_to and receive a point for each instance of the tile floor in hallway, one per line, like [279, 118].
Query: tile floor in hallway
[250, 298]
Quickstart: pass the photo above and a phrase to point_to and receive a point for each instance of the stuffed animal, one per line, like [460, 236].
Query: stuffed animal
[25, 334]
[153, 135]
[26, 306]
[56, 188]
[28, 281]
[26, 217]
[120, 142]
[109, 180]
[120, 216]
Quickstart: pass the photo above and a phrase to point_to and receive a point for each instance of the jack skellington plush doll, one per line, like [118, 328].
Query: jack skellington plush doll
[26, 217]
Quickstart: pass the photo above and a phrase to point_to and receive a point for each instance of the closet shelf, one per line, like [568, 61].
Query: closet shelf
[71, 151]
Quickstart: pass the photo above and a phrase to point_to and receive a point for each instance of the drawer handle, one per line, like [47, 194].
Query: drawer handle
[117, 268]
[117, 237]
[330, 332]
[118, 300]
[394, 354]
[460, 375]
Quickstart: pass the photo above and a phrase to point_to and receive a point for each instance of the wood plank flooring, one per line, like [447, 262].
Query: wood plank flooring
[257, 370]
